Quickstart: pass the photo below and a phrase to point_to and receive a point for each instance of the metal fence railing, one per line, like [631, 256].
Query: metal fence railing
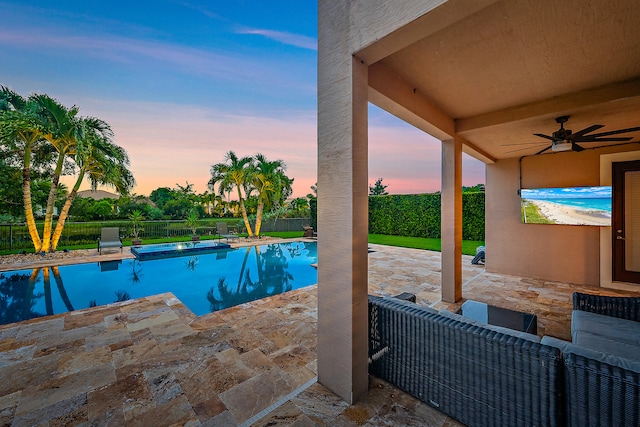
[15, 237]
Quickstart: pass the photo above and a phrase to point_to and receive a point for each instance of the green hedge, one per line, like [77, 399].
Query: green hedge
[418, 215]
[313, 207]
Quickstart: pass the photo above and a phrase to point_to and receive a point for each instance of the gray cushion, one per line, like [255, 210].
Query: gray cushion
[506, 331]
[584, 325]
[613, 360]
[606, 345]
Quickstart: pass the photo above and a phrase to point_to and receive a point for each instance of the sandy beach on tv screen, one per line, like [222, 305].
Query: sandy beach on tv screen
[563, 214]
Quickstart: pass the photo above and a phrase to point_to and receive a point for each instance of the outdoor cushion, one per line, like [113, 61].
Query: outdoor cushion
[612, 328]
[606, 345]
[610, 359]
[506, 331]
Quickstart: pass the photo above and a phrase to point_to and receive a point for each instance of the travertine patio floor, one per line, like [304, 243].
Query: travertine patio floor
[151, 362]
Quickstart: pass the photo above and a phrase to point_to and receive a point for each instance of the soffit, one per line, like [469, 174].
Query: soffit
[507, 70]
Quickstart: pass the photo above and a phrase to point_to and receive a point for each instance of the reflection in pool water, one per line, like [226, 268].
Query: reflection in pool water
[204, 283]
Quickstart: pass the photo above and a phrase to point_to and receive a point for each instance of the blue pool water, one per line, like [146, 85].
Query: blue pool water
[204, 283]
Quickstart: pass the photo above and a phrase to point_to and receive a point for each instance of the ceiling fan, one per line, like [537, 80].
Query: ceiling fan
[565, 140]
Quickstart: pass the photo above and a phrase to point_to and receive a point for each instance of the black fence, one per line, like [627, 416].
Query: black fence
[15, 237]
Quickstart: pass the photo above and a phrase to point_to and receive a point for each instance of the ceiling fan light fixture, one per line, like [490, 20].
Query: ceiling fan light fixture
[561, 146]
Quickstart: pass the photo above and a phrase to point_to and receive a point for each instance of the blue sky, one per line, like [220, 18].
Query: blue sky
[183, 82]
[603, 192]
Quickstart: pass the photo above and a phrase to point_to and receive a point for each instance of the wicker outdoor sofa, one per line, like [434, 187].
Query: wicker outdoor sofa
[487, 376]
[602, 382]
[474, 374]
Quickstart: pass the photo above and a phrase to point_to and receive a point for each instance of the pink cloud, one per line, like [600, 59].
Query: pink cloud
[169, 148]
[166, 149]
[409, 160]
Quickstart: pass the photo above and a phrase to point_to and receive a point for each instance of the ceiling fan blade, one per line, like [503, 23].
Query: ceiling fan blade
[575, 147]
[590, 139]
[543, 150]
[614, 132]
[545, 136]
[586, 131]
[519, 149]
[524, 143]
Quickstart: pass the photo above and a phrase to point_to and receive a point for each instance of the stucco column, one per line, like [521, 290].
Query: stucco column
[342, 217]
[451, 220]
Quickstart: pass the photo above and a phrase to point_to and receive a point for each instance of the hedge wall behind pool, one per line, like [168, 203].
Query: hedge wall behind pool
[418, 215]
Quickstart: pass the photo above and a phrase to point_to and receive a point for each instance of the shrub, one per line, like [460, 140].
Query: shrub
[418, 215]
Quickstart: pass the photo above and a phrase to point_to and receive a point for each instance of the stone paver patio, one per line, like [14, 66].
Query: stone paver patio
[152, 362]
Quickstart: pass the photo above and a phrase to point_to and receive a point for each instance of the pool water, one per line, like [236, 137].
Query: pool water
[204, 282]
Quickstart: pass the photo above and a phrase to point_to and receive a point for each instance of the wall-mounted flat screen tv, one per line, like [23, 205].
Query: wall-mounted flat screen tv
[569, 206]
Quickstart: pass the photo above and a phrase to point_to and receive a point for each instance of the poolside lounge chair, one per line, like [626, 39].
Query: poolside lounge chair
[223, 231]
[308, 232]
[109, 238]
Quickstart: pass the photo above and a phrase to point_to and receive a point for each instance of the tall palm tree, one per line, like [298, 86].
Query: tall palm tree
[271, 183]
[63, 132]
[22, 129]
[103, 162]
[75, 137]
[234, 173]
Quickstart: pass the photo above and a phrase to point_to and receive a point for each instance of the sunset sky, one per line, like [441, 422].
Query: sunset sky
[183, 82]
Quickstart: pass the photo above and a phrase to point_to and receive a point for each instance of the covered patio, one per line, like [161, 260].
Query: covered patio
[485, 78]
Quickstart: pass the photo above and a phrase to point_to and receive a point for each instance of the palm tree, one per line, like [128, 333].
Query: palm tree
[103, 162]
[234, 173]
[22, 128]
[271, 183]
[41, 125]
[64, 132]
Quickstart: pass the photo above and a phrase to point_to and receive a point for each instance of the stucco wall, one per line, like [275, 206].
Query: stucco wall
[345, 27]
[562, 253]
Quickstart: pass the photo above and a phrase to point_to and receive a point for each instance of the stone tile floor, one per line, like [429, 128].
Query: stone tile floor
[151, 362]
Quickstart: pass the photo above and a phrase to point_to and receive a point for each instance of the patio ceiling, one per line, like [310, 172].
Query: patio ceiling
[496, 72]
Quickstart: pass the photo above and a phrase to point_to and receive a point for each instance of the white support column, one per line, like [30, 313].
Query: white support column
[451, 211]
[342, 222]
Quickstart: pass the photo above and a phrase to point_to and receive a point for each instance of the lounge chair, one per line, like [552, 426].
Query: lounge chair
[109, 238]
[308, 231]
[223, 231]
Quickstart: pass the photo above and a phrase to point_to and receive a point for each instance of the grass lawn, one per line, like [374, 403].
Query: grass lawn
[533, 215]
[468, 246]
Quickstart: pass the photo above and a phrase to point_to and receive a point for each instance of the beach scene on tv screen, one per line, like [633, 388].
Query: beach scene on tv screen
[569, 206]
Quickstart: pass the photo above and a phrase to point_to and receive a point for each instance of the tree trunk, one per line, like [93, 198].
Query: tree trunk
[259, 217]
[28, 207]
[65, 212]
[51, 201]
[244, 214]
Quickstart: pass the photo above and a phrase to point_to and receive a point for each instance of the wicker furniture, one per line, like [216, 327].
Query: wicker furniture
[474, 374]
[602, 389]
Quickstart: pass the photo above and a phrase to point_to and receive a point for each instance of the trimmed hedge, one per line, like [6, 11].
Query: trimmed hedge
[418, 215]
[313, 207]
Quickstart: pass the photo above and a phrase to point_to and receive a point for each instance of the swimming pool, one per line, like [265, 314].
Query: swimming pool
[204, 283]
